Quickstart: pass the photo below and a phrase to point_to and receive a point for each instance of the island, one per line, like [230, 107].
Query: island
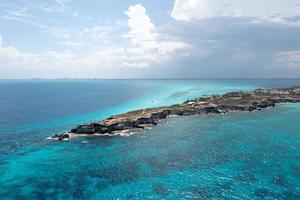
[214, 104]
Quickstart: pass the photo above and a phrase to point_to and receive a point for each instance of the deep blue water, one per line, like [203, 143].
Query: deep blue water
[234, 156]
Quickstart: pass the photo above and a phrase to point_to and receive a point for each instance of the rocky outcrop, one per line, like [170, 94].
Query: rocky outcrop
[215, 104]
[61, 136]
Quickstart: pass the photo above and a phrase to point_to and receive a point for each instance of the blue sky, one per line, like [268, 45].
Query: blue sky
[149, 39]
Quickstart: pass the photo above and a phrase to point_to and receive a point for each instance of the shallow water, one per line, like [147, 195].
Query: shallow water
[234, 156]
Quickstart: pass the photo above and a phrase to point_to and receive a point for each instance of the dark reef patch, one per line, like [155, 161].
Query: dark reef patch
[179, 94]
[296, 170]
[264, 193]
[199, 192]
[161, 190]
[280, 180]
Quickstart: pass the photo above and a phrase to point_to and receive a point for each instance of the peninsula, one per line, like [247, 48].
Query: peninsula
[216, 104]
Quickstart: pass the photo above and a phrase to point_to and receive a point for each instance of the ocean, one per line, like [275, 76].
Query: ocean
[253, 155]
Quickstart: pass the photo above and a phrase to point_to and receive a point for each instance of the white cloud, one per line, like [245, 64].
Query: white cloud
[52, 64]
[145, 49]
[83, 37]
[142, 34]
[216, 47]
[58, 6]
[140, 25]
[289, 60]
[274, 10]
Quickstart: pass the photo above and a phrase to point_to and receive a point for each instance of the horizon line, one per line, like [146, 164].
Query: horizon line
[33, 79]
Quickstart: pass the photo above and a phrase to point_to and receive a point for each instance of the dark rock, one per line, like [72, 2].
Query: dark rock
[61, 136]
[176, 112]
[160, 115]
[211, 109]
[265, 104]
[74, 130]
[100, 128]
[85, 129]
[144, 120]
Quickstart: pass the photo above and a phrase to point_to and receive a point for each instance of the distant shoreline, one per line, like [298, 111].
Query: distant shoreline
[216, 104]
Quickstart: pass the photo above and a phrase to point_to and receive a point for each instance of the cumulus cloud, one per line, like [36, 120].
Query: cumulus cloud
[140, 25]
[15, 63]
[142, 34]
[145, 49]
[234, 48]
[225, 43]
[275, 10]
[53, 64]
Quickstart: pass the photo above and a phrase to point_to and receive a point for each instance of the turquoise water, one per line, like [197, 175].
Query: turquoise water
[234, 156]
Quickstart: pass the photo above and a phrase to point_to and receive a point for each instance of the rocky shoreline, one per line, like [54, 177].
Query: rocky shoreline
[216, 104]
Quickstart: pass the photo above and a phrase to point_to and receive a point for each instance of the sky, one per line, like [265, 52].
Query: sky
[197, 39]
